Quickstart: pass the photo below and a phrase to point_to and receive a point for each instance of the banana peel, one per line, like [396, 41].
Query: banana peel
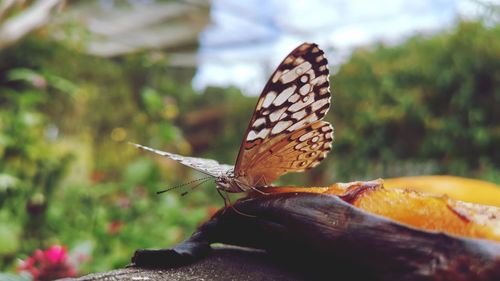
[352, 231]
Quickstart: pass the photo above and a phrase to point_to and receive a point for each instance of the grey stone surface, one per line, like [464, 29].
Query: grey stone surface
[226, 263]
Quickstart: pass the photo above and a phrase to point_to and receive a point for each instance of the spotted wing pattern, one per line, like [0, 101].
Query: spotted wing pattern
[291, 106]
[298, 151]
[206, 166]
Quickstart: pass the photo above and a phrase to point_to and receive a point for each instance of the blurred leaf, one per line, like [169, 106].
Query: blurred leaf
[168, 132]
[61, 84]
[9, 238]
[139, 171]
[152, 100]
[27, 75]
[8, 182]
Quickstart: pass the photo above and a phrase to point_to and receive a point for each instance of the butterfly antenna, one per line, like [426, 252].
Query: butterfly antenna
[184, 184]
[195, 186]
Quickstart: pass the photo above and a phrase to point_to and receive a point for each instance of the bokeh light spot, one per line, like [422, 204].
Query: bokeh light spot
[118, 134]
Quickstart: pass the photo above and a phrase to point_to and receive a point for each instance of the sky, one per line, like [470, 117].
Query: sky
[246, 40]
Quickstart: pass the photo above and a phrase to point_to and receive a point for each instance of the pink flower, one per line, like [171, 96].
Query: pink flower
[56, 254]
[50, 264]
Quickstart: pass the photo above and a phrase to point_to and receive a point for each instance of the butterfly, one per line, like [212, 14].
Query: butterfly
[286, 132]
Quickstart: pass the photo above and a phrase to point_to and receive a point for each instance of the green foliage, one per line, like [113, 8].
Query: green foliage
[68, 176]
[430, 101]
[31, 169]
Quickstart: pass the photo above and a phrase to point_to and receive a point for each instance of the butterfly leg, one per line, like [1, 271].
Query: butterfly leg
[223, 198]
[226, 200]
[259, 191]
[262, 179]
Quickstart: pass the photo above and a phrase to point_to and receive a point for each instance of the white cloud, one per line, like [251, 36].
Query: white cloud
[249, 38]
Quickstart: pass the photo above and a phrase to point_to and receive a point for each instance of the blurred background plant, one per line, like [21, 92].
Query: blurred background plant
[74, 90]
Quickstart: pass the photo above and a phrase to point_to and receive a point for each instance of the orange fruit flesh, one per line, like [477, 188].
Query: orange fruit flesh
[416, 209]
[458, 188]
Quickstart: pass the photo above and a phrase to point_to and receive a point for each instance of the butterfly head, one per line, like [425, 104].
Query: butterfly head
[224, 183]
[229, 183]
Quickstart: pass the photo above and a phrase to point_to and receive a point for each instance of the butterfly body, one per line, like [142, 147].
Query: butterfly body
[286, 132]
[230, 183]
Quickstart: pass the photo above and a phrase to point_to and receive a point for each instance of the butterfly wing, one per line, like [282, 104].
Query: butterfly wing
[291, 105]
[296, 152]
[206, 166]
